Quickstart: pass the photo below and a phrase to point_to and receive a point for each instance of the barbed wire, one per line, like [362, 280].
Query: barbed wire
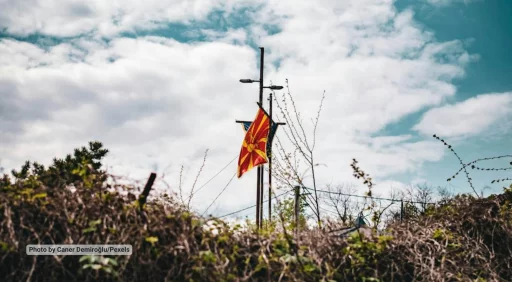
[486, 169]
[460, 161]
[473, 166]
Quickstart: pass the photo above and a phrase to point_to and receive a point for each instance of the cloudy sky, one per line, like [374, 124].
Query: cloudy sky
[157, 83]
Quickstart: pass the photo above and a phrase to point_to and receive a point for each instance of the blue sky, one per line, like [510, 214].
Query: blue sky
[487, 28]
[158, 84]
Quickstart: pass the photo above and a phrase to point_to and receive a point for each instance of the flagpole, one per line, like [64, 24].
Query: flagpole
[270, 164]
[259, 186]
[260, 174]
[258, 198]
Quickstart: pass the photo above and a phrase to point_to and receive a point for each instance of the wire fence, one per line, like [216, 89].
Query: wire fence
[340, 205]
[346, 208]
[253, 206]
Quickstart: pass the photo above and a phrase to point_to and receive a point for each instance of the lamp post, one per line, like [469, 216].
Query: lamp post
[259, 182]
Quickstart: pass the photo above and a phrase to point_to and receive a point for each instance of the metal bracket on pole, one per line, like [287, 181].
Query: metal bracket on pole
[244, 121]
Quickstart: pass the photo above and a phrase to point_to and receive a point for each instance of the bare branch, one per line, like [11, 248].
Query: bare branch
[197, 177]
[316, 121]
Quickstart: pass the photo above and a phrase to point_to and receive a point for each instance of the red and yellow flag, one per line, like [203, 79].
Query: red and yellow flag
[254, 147]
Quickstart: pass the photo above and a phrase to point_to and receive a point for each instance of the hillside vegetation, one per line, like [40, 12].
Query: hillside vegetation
[74, 202]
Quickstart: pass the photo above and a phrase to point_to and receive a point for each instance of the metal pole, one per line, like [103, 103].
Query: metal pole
[260, 171]
[270, 164]
[261, 196]
[401, 211]
[297, 199]
[262, 53]
[258, 199]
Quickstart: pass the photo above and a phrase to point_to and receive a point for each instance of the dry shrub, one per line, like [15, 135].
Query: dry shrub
[464, 240]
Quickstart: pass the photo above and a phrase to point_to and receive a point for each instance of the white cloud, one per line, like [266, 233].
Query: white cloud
[449, 2]
[468, 117]
[237, 36]
[154, 100]
[160, 102]
[104, 18]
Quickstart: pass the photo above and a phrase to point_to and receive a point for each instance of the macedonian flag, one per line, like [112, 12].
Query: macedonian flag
[271, 134]
[254, 147]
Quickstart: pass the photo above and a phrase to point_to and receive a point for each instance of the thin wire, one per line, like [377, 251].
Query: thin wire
[368, 197]
[219, 194]
[214, 176]
[330, 211]
[309, 204]
[244, 209]
[313, 203]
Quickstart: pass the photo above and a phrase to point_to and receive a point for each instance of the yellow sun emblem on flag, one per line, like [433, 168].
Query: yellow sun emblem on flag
[254, 146]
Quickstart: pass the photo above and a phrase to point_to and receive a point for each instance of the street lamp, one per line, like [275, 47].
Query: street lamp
[259, 186]
[271, 87]
[259, 198]
[245, 80]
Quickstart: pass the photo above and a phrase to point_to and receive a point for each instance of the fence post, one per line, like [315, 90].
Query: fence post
[401, 210]
[297, 208]
[145, 193]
